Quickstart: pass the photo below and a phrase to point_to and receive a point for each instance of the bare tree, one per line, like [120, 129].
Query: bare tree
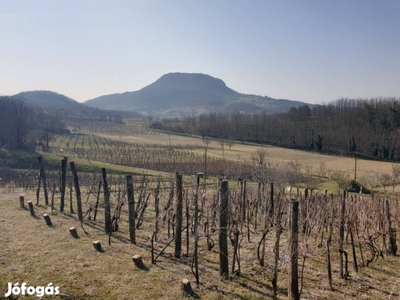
[341, 178]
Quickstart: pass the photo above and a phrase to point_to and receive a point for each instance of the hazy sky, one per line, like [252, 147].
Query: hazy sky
[313, 51]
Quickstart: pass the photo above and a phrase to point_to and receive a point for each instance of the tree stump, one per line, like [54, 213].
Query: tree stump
[47, 219]
[21, 201]
[137, 259]
[32, 211]
[186, 286]
[73, 232]
[97, 246]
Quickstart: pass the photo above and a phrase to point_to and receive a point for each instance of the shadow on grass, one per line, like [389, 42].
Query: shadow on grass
[35, 217]
[192, 295]
[143, 268]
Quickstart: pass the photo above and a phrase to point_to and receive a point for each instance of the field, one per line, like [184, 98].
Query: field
[38, 254]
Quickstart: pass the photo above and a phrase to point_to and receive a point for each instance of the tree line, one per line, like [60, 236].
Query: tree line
[24, 126]
[368, 128]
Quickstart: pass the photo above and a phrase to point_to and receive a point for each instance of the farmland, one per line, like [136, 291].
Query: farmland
[346, 248]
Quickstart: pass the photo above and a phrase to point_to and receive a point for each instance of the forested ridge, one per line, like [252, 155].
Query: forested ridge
[24, 126]
[368, 128]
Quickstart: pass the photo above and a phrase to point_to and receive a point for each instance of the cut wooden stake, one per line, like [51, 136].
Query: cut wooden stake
[73, 232]
[47, 219]
[97, 246]
[32, 211]
[137, 259]
[186, 286]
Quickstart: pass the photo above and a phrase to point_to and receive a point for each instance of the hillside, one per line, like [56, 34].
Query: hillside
[63, 105]
[179, 94]
[53, 101]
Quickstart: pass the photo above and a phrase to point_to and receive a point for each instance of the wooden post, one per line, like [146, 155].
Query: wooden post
[52, 196]
[196, 231]
[223, 228]
[131, 203]
[187, 226]
[157, 208]
[179, 213]
[186, 286]
[271, 205]
[38, 189]
[244, 200]
[77, 190]
[341, 236]
[31, 210]
[392, 231]
[107, 207]
[293, 284]
[277, 249]
[71, 207]
[137, 259]
[73, 232]
[97, 246]
[328, 248]
[42, 174]
[21, 202]
[63, 182]
[97, 201]
[47, 219]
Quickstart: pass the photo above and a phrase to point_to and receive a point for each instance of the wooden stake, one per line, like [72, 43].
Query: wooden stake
[31, 210]
[223, 224]
[179, 213]
[73, 232]
[97, 246]
[21, 202]
[131, 203]
[77, 190]
[63, 182]
[186, 286]
[293, 284]
[107, 207]
[47, 219]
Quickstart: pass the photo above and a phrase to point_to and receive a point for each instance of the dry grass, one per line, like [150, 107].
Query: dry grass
[310, 161]
[37, 254]
[32, 252]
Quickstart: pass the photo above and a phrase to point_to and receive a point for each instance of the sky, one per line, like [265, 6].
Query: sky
[314, 51]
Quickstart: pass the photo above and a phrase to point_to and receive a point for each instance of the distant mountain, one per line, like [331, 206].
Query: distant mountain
[66, 106]
[180, 94]
[53, 101]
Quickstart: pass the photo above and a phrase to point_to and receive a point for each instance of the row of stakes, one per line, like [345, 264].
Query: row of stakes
[137, 259]
[72, 230]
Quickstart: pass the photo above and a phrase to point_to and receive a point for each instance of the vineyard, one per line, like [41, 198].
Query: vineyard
[343, 242]
[233, 229]
[90, 143]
